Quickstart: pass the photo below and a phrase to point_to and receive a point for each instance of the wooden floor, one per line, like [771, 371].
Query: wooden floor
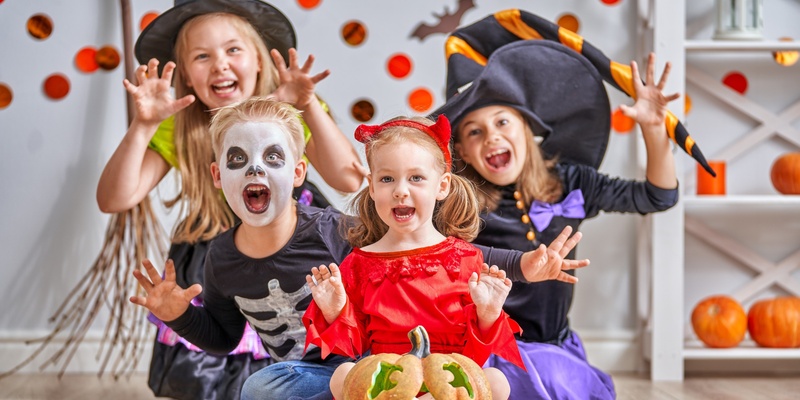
[73, 387]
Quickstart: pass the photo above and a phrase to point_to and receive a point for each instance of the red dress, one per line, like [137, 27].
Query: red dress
[391, 293]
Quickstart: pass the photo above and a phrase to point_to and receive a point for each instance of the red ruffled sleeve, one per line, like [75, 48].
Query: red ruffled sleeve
[343, 336]
[499, 340]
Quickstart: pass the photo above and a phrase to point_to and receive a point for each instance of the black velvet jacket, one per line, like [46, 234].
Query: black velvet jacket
[541, 308]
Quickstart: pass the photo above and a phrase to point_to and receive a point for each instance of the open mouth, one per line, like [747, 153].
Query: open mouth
[403, 213]
[256, 198]
[224, 87]
[499, 159]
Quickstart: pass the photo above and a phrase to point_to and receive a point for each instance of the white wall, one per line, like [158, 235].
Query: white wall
[54, 151]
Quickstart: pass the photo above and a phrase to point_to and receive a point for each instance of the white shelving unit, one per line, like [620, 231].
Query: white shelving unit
[747, 350]
[662, 246]
[755, 45]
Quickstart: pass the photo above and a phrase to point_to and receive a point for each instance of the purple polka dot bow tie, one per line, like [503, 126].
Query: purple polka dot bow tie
[542, 213]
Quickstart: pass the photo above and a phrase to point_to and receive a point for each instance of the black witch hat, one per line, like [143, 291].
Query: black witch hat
[549, 74]
[157, 40]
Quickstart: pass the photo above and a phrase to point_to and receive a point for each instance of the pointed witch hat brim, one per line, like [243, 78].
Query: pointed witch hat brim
[157, 40]
[571, 129]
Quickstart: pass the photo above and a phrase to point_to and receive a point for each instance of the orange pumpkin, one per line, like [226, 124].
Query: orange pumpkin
[719, 321]
[393, 376]
[785, 173]
[775, 322]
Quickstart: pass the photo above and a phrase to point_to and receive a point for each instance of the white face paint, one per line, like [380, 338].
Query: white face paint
[257, 170]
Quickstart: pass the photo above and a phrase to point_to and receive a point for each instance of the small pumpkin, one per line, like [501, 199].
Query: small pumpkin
[775, 322]
[402, 377]
[719, 321]
[785, 173]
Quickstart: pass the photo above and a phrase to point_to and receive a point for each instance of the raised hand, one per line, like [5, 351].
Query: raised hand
[165, 299]
[297, 85]
[153, 96]
[489, 291]
[327, 290]
[548, 263]
[651, 103]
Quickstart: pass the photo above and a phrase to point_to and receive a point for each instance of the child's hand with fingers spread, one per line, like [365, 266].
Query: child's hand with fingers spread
[327, 290]
[489, 292]
[650, 108]
[548, 263]
[296, 85]
[153, 96]
[165, 299]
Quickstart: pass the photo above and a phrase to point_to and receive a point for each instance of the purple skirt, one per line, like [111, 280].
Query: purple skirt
[555, 372]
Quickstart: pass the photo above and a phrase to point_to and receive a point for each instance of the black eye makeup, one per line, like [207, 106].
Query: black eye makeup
[236, 158]
[274, 156]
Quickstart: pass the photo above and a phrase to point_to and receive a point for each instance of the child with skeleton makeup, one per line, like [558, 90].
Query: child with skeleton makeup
[255, 272]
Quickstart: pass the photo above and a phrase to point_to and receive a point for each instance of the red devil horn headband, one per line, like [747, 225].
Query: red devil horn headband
[440, 132]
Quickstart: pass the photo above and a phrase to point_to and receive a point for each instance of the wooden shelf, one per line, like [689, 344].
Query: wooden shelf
[771, 203]
[740, 45]
[747, 350]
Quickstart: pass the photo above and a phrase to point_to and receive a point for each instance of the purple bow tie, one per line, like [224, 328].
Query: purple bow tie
[542, 213]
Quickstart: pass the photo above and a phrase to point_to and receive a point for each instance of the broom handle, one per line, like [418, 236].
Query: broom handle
[127, 42]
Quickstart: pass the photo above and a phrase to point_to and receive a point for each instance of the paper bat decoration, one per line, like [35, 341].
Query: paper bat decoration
[447, 22]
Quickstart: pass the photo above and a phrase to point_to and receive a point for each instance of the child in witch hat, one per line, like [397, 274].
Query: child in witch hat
[531, 122]
[219, 54]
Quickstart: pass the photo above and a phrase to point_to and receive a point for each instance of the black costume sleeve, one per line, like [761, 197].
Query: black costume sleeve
[506, 260]
[333, 226]
[603, 193]
[218, 326]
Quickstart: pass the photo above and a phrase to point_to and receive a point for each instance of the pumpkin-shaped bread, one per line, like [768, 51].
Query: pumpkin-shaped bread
[402, 377]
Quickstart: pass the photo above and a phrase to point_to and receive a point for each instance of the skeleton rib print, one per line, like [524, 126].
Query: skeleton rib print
[283, 332]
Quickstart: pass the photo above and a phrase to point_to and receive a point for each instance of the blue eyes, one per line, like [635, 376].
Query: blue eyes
[415, 178]
[203, 56]
[478, 131]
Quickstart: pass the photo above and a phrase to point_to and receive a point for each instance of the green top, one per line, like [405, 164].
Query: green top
[163, 142]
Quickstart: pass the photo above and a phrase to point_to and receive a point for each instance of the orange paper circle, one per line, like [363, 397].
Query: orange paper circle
[621, 122]
[6, 95]
[399, 66]
[56, 86]
[354, 33]
[107, 58]
[362, 110]
[147, 18]
[569, 22]
[85, 60]
[420, 99]
[610, 2]
[308, 4]
[736, 81]
[40, 26]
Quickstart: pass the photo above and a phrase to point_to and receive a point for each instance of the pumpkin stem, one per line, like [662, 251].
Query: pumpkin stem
[420, 343]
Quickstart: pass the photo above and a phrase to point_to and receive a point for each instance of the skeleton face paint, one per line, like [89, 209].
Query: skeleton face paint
[257, 170]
